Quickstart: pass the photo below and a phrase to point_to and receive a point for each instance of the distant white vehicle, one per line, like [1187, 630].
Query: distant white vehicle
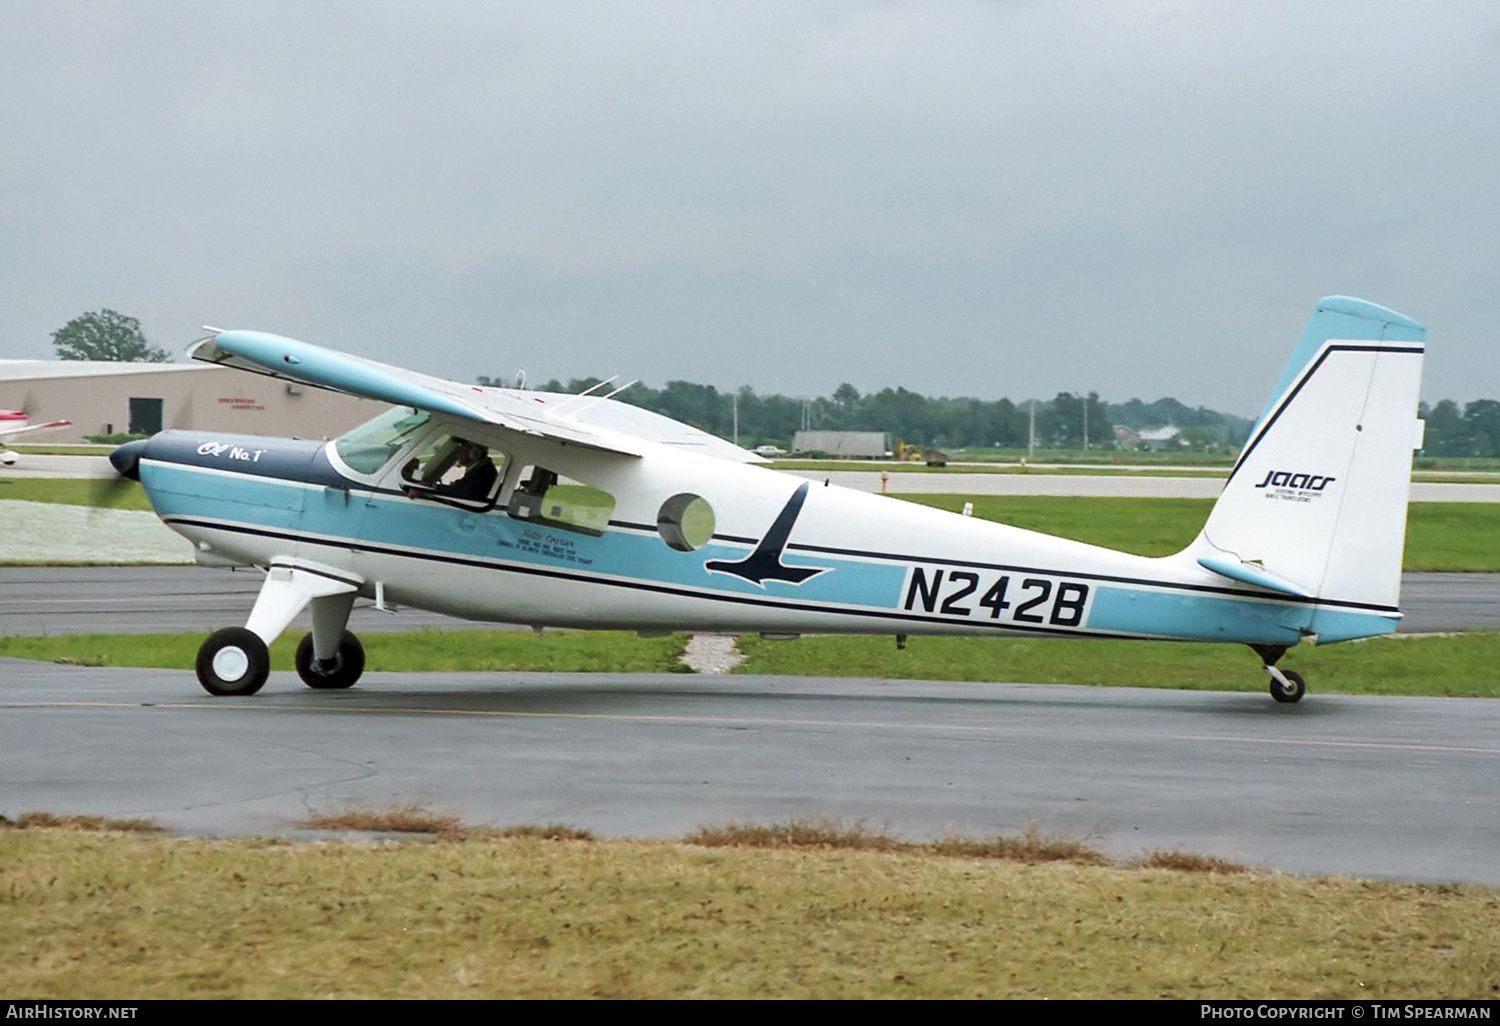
[768, 451]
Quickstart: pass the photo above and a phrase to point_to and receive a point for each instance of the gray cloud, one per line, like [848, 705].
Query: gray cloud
[966, 198]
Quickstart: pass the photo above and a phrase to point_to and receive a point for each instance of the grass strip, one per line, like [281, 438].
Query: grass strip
[430, 651]
[72, 491]
[1453, 666]
[415, 818]
[126, 916]
[1457, 666]
[1033, 848]
[1094, 470]
[89, 824]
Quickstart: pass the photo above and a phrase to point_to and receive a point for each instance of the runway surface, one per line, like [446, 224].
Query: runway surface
[175, 599]
[1377, 787]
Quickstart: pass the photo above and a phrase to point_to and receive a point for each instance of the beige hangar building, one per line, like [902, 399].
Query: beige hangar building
[144, 398]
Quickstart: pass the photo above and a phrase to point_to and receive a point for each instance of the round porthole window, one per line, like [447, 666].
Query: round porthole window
[686, 522]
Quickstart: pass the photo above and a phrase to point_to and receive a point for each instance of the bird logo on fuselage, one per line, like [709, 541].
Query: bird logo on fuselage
[764, 564]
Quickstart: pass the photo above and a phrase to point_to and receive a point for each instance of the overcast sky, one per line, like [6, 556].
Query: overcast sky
[989, 199]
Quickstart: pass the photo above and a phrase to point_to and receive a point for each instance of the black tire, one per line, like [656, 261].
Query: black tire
[348, 664]
[1293, 694]
[233, 661]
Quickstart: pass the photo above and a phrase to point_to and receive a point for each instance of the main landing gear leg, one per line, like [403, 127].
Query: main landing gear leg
[1286, 685]
[236, 660]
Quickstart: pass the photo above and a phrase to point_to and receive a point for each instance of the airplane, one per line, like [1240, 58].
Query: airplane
[532, 508]
[13, 422]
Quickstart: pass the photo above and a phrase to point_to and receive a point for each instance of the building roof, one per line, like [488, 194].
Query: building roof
[32, 370]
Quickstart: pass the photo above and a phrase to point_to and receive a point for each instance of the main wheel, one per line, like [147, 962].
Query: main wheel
[1292, 694]
[233, 661]
[348, 664]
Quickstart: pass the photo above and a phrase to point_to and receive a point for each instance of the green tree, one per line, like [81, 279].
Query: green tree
[1483, 419]
[846, 397]
[1447, 433]
[106, 335]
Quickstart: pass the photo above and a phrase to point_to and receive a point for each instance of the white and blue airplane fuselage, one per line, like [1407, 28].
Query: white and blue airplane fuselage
[528, 508]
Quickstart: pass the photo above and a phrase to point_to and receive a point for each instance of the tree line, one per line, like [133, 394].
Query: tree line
[1474, 431]
[944, 422]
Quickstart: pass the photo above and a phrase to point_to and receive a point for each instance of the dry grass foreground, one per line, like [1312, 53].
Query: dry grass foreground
[771, 912]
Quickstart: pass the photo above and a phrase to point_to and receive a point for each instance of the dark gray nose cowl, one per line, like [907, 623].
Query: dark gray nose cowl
[127, 459]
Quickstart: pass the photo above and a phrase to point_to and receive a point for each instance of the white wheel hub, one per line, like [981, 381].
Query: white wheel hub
[230, 664]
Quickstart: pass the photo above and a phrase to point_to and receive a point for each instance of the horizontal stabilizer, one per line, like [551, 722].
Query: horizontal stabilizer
[1249, 573]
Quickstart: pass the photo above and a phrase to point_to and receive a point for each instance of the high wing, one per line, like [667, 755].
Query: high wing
[592, 422]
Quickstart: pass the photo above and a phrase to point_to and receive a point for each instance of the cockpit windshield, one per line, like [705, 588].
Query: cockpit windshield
[367, 448]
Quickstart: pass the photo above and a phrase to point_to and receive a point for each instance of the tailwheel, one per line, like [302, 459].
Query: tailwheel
[1286, 685]
[233, 661]
[341, 671]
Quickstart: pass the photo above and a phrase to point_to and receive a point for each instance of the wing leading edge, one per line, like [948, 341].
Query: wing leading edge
[593, 423]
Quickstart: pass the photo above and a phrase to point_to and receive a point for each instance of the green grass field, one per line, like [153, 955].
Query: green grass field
[1457, 666]
[132, 916]
[1440, 536]
[74, 492]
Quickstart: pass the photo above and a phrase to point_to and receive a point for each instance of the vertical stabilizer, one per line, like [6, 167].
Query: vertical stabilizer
[1316, 503]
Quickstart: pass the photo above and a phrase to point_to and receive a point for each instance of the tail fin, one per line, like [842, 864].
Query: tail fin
[1316, 504]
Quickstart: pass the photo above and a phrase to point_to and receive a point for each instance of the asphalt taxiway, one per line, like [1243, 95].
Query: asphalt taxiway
[1373, 787]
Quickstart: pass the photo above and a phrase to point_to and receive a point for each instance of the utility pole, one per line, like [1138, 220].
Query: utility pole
[734, 399]
[1031, 435]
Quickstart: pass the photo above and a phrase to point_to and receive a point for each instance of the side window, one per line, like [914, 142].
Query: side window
[455, 470]
[544, 497]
